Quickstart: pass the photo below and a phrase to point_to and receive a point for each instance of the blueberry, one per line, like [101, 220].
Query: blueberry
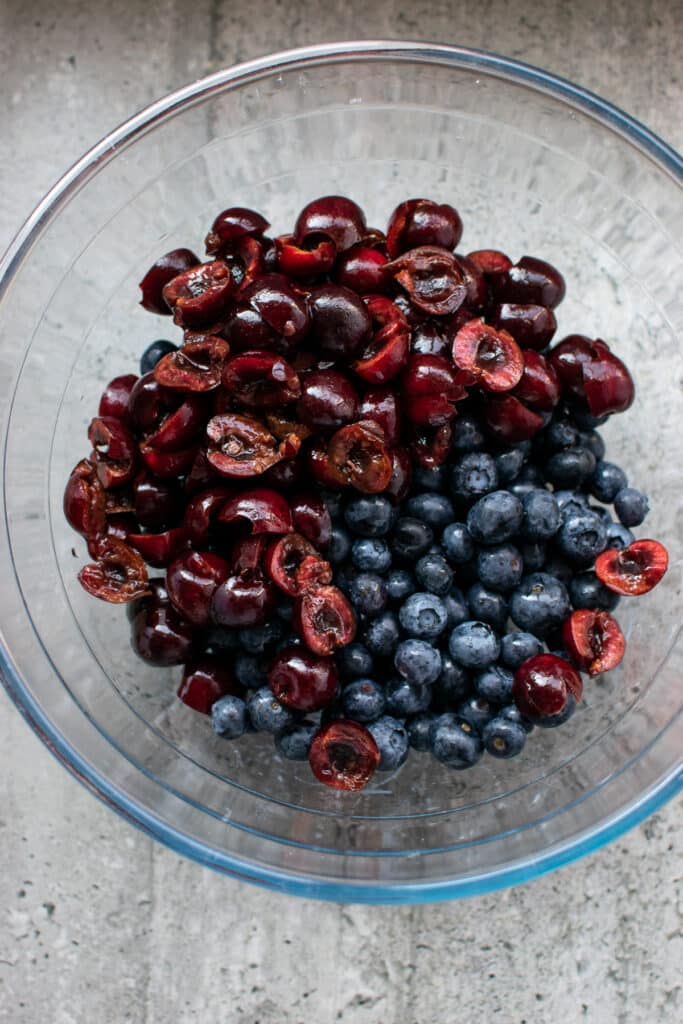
[382, 635]
[405, 698]
[602, 513]
[585, 420]
[339, 546]
[531, 474]
[249, 671]
[494, 684]
[333, 500]
[607, 480]
[418, 662]
[581, 538]
[153, 353]
[220, 639]
[370, 554]
[474, 475]
[457, 543]
[511, 713]
[363, 700]
[586, 591]
[591, 440]
[631, 506]
[503, 738]
[391, 738]
[557, 567]
[487, 606]
[571, 502]
[569, 468]
[267, 714]
[457, 608]
[354, 661]
[520, 488]
[618, 536]
[474, 645]
[508, 465]
[541, 515]
[423, 616]
[454, 742]
[500, 567]
[431, 508]
[453, 683]
[476, 710]
[433, 573]
[495, 517]
[419, 730]
[429, 478]
[344, 577]
[467, 434]
[257, 639]
[294, 742]
[516, 647]
[539, 603]
[400, 585]
[533, 554]
[411, 538]
[552, 721]
[560, 434]
[368, 594]
[229, 717]
[369, 515]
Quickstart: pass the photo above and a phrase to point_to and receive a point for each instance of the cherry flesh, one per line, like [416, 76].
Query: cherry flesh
[593, 640]
[344, 755]
[633, 570]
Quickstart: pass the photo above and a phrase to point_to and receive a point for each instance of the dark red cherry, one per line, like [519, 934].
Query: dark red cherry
[201, 474]
[156, 503]
[492, 357]
[261, 380]
[490, 261]
[232, 225]
[431, 446]
[336, 217]
[359, 453]
[262, 510]
[311, 517]
[324, 619]
[530, 325]
[362, 270]
[158, 276]
[122, 526]
[634, 570]
[401, 475]
[539, 386]
[386, 352]
[197, 366]
[159, 549]
[301, 681]
[84, 500]
[118, 575]
[542, 685]
[149, 402]
[116, 396]
[243, 600]
[341, 322]
[344, 755]
[530, 280]
[509, 420]
[270, 313]
[181, 427]
[204, 682]
[328, 400]
[160, 635]
[432, 278]
[420, 222]
[240, 446]
[313, 257]
[607, 382]
[430, 339]
[322, 469]
[380, 404]
[191, 581]
[475, 282]
[294, 565]
[568, 358]
[593, 640]
[284, 475]
[168, 465]
[248, 553]
[200, 296]
[429, 388]
[114, 451]
[201, 512]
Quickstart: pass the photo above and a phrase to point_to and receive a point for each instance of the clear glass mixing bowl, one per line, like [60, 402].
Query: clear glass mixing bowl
[533, 165]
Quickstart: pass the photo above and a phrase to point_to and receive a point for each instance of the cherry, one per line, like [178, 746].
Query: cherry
[284, 475]
[311, 517]
[263, 510]
[420, 222]
[114, 451]
[542, 684]
[322, 469]
[294, 565]
[119, 502]
[328, 400]
[530, 325]
[191, 581]
[608, 384]
[116, 395]
[181, 427]
[430, 388]
[149, 402]
[315, 255]
[261, 380]
[338, 218]
[156, 503]
[341, 323]
[324, 619]
[248, 553]
[197, 366]
[240, 446]
[201, 512]
[633, 570]
[490, 261]
[530, 280]
[243, 600]
[509, 420]
[122, 527]
[475, 282]
[361, 269]
[158, 276]
[359, 454]
[432, 278]
[401, 475]
[270, 314]
[160, 635]
[84, 500]
[431, 446]
[233, 225]
[344, 755]
[118, 575]
[199, 297]
[593, 640]
[168, 465]
[158, 549]
[493, 357]
[380, 404]
[301, 681]
[201, 474]
[387, 350]
[539, 386]
[204, 682]
[430, 339]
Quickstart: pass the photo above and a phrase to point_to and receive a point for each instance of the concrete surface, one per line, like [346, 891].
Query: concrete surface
[98, 924]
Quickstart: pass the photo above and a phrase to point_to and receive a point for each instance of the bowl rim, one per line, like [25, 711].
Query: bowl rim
[668, 161]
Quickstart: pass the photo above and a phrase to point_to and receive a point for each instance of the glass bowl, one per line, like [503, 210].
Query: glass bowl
[533, 164]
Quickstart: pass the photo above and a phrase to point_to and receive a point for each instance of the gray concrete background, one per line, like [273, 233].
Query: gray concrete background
[97, 923]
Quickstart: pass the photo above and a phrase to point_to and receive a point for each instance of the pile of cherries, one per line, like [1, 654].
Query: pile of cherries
[361, 463]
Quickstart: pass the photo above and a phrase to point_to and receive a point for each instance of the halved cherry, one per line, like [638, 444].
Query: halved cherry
[201, 511]
[401, 475]
[475, 282]
[149, 402]
[156, 503]
[359, 453]
[633, 570]
[328, 400]
[493, 357]
[197, 366]
[243, 600]
[344, 755]
[261, 380]
[490, 261]
[84, 500]
[181, 427]
[324, 619]
[432, 278]
[279, 306]
[322, 469]
[337, 217]
[568, 358]
[431, 446]
[539, 386]
[118, 575]
[607, 382]
[114, 451]
[158, 549]
[285, 474]
[160, 635]
[529, 280]
[386, 352]
[311, 517]
[542, 684]
[204, 682]
[200, 296]
[158, 276]
[594, 640]
[247, 261]
[247, 553]
[294, 565]
[232, 225]
[120, 502]
[116, 395]
[240, 446]
[285, 428]
[301, 681]
[531, 326]
[263, 510]
[509, 420]
[422, 222]
[430, 388]
[432, 339]
[121, 526]
[315, 255]
[191, 580]
[168, 465]
[201, 475]
[361, 269]
[380, 404]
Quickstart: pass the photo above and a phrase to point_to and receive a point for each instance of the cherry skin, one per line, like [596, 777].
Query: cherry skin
[344, 755]
[542, 684]
[191, 580]
[593, 640]
[301, 681]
